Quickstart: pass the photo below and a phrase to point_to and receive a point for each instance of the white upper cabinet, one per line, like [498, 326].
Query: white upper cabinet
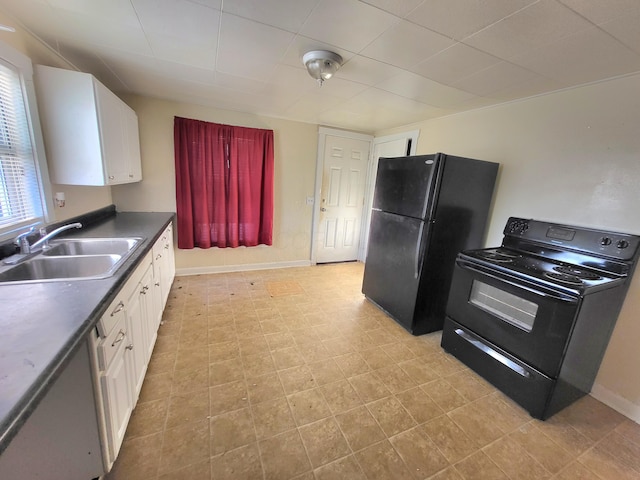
[91, 135]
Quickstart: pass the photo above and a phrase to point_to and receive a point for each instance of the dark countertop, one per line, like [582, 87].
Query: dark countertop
[42, 324]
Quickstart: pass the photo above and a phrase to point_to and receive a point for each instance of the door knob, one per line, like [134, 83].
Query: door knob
[322, 209]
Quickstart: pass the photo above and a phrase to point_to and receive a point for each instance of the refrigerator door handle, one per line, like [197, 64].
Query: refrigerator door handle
[417, 256]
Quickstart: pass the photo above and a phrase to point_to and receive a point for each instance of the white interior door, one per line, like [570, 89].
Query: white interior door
[345, 165]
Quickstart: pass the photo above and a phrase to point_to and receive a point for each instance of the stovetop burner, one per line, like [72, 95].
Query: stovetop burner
[551, 267]
[502, 257]
[564, 278]
[577, 272]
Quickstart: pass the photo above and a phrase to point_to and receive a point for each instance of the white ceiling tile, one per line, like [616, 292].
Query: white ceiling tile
[399, 8]
[406, 44]
[364, 70]
[454, 63]
[181, 51]
[146, 65]
[541, 23]
[171, 51]
[286, 78]
[89, 31]
[120, 12]
[239, 83]
[312, 105]
[415, 87]
[626, 29]
[250, 49]
[600, 11]
[535, 86]
[586, 56]
[217, 4]
[378, 98]
[38, 12]
[91, 62]
[289, 15]
[180, 19]
[348, 23]
[497, 77]
[460, 18]
[180, 31]
[342, 88]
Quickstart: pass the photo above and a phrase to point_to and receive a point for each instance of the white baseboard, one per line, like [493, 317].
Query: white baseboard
[181, 272]
[615, 401]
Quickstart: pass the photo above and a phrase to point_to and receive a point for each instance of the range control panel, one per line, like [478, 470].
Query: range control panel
[621, 246]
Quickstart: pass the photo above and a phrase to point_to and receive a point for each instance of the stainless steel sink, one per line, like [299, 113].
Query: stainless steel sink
[72, 259]
[41, 268]
[91, 246]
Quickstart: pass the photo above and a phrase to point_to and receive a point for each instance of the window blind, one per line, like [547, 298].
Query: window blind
[20, 202]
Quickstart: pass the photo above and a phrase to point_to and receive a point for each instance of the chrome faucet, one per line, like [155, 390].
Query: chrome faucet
[43, 243]
[23, 242]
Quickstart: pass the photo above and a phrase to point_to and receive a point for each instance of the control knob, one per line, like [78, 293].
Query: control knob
[622, 244]
[605, 241]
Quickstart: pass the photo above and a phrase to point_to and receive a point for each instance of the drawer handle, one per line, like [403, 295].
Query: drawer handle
[492, 353]
[144, 290]
[118, 308]
[129, 347]
[157, 284]
[119, 338]
[166, 246]
[158, 257]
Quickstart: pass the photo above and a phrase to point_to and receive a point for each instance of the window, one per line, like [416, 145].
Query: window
[21, 198]
[224, 184]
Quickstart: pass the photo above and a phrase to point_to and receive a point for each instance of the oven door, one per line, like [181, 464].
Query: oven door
[531, 322]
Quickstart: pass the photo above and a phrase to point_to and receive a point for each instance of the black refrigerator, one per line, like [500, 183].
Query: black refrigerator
[426, 209]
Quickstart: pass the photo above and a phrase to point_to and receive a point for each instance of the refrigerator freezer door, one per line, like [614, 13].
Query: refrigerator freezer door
[405, 185]
[394, 262]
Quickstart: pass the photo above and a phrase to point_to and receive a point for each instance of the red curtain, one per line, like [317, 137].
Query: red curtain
[224, 184]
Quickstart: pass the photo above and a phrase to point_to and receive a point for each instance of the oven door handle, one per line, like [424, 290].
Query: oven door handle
[510, 364]
[478, 269]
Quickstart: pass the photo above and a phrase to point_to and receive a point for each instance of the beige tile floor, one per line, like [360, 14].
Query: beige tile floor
[291, 373]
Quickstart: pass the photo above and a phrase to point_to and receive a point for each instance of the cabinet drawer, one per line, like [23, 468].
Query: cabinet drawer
[112, 316]
[114, 342]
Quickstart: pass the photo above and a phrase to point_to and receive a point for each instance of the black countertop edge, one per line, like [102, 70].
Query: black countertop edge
[16, 417]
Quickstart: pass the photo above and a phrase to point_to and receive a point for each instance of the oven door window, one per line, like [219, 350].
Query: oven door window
[503, 305]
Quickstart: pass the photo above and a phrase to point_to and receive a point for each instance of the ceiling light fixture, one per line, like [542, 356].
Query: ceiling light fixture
[322, 64]
[6, 28]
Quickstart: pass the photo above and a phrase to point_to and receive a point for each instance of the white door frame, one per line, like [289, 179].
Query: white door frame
[323, 132]
[370, 185]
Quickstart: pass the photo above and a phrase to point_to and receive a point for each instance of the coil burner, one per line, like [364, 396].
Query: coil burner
[564, 278]
[497, 256]
[577, 272]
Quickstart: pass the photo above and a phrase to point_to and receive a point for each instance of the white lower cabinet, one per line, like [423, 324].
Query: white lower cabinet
[116, 391]
[164, 263]
[125, 338]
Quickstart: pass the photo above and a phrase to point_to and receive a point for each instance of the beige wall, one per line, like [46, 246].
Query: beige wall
[295, 146]
[78, 199]
[571, 157]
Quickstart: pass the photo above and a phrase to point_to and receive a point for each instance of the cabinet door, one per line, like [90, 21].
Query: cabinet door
[149, 312]
[137, 345]
[116, 394]
[114, 153]
[168, 263]
[132, 143]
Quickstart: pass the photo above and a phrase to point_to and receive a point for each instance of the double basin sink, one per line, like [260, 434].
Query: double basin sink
[73, 259]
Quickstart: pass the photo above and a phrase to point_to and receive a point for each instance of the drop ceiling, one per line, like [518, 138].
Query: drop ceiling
[404, 60]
